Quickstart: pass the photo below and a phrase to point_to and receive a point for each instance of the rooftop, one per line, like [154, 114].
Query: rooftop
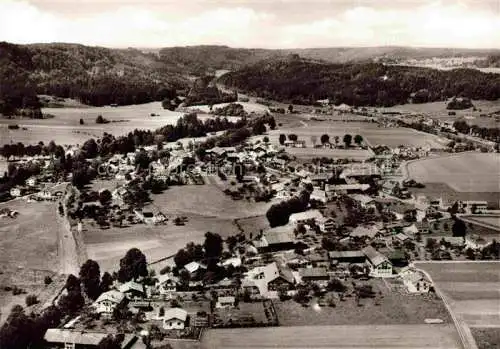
[175, 313]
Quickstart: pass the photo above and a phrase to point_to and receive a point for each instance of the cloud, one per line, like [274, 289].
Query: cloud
[244, 24]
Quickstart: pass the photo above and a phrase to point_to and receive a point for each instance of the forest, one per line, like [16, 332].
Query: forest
[301, 81]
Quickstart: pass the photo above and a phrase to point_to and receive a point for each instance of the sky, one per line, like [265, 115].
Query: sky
[253, 23]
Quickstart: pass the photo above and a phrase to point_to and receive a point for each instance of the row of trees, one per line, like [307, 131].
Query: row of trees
[324, 139]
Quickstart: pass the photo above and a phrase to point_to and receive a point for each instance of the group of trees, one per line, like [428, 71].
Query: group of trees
[210, 251]
[278, 214]
[303, 81]
[232, 109]
[489, 133]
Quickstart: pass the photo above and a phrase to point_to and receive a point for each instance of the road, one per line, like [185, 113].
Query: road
[468, 341]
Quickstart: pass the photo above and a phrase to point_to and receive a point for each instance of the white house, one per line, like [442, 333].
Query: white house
[108, 301]
[167, 283]
[174, 319]
[379, 265]
[225, 302]
[414, 281]
[31, 182]
[15, 192]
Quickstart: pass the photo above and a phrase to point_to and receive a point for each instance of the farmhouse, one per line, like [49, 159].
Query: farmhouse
[414, 281]
[108, 301]
[276, 239]
[326, 225]
[379, 265]
[225, 302]
[364, 200]
[167, 283]
[347, 256]
[174, 319]
[266, 279]
[314, 274]
[132, 290]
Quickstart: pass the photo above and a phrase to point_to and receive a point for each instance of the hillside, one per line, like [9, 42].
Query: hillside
[93, 75]
[302, 81]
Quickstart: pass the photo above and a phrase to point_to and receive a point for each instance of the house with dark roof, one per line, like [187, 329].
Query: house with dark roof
[276, 239]
[314, 274]
[347, 256]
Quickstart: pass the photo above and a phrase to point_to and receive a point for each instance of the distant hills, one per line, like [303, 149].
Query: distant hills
[101, 76]
[303, 81]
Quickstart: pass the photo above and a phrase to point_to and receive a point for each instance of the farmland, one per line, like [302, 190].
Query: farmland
[372, 133]
[437, 110]
[65, 128]
[24, 263]
[335, 337]
[473, 288]
[465, 172]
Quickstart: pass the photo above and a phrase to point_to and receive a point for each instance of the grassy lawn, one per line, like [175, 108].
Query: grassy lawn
[394, 308]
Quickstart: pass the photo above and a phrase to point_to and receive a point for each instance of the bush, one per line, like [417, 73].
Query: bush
[47, 280]
[165, 270]
[31, 300]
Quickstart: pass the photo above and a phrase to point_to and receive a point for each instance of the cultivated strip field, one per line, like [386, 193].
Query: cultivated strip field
[488, 221]
[474, 289]
[335, 337]
[465, 172]
[371, 132]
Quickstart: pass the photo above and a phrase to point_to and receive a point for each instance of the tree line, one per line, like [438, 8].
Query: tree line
[302, 81]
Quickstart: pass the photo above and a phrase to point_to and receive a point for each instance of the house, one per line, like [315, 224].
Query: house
[225, 302]
[132, 290]
[78, 339]
[15, 192]
[167, 283]
[473, 207]
[319, 195]
[31, 182]
[401, 237]
[314, 274]
[454, 241]
[108, 301]
[346, 188]
[476, 242]
[414, 281]
[317, 259]
[379, 265]
[364, 200]
[174, 319]
[276, 239]
[194, 269]
[304, 217]
[347, 256]
[361, 171]
[266, 280]
[326, 225]
[44, 195]
[319, 180]
[149, 217]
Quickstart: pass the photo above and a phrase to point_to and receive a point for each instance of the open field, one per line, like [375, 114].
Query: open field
[473, 288]
[464, 172]
[334, 337]
[489, 221]
[449, 195]
[371, 132]
[108, 246]
[437, 110]
[28, 249]
[394, 307]
[65, 128]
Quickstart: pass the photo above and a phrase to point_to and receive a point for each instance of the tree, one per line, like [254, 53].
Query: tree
[259, 127]
[265, 139]
[282, 138]
[16, 332]
[431, 244]
[325, 139]
[99, 120]
[290, 108]
[347, 140]
[358, 139]
[459, 228]
[213, 245]
[31, 300]
[239, 171]
[293, 137]
[132, 266]
[105, 197]
[82, 122]
[337, 140]
[111, 342]
[106, 282]
[272, 123]
[182, 257]
[90, 276]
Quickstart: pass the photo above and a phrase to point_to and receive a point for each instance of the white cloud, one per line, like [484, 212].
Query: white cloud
[435, 24]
